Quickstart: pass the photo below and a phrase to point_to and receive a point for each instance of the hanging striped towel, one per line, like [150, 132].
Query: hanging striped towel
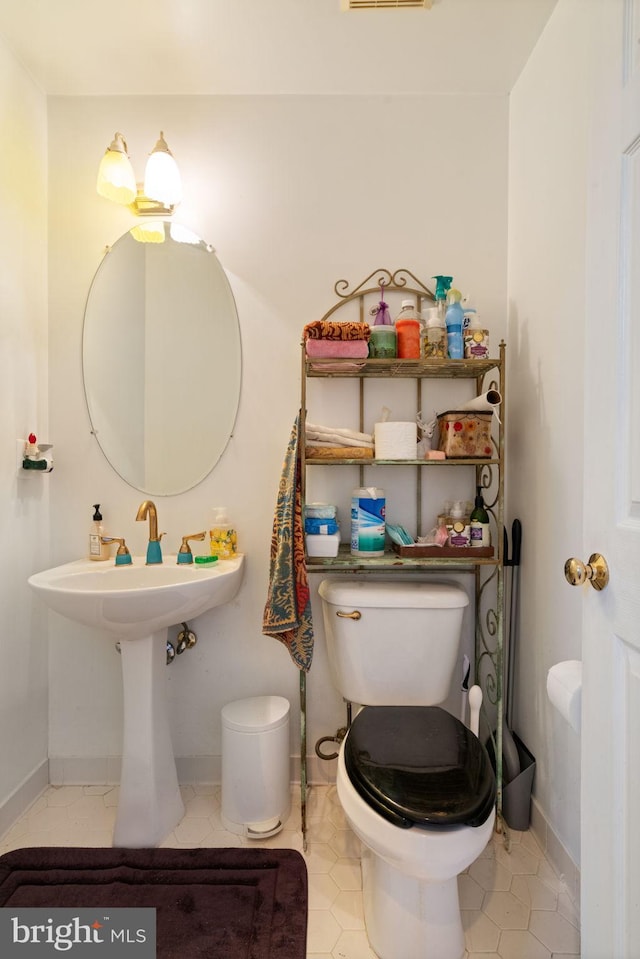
[287, 612]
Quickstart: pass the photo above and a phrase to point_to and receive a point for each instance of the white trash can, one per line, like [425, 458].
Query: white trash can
[256, 793]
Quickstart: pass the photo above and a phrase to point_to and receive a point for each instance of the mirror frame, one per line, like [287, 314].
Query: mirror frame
[111, 394]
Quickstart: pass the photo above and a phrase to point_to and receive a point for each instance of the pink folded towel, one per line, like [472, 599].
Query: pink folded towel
[330, 349]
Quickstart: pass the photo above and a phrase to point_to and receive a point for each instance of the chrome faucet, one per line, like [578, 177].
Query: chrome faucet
[154, 552]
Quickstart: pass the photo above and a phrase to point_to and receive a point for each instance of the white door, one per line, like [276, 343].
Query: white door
[610, 861]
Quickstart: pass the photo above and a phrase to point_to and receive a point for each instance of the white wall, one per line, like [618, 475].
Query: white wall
[294, 193]
[547, 219]
[24, 522]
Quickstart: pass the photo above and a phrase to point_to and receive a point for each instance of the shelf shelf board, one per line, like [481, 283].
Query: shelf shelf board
[434, 369]
[477, 461]
[345, 561]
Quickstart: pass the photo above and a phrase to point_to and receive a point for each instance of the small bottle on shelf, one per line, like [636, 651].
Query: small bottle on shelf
[454, 318]
[480, 529]
[434, 335]
[460, 532]
[408, 325]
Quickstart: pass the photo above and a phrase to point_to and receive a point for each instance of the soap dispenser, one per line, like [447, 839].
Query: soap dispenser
[98, 550]
[480, 527]
[223, 537]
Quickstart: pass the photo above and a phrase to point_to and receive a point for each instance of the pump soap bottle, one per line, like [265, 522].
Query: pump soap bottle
[222, 535]
[480, 529]
[476, 338]
[98, 550]
[434, 338]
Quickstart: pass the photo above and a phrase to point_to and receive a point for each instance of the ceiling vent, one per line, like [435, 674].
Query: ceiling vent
[382, 4]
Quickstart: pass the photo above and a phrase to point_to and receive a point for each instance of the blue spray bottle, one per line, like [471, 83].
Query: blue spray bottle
[454, 319]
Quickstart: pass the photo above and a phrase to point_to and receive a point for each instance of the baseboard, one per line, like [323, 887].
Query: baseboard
[24, 796]
[556, 854]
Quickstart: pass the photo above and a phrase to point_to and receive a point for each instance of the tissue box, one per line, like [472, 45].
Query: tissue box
[465, 434]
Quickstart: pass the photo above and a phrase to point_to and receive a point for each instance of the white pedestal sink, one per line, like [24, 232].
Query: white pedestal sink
[137, 603]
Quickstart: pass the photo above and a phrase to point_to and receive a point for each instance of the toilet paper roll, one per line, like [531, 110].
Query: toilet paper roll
[564, 689]
[490, 400]
[396, 441]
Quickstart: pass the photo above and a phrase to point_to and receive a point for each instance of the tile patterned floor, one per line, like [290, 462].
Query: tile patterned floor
[513, 904]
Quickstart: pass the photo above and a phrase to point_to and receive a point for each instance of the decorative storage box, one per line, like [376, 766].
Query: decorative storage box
[465, 434]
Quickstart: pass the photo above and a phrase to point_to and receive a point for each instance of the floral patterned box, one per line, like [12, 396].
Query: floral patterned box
[465, 434]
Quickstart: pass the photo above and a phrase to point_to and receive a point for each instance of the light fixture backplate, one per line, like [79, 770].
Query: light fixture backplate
[383, 4]
[145, 206]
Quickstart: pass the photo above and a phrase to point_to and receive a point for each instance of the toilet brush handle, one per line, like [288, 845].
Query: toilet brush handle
[475, 702]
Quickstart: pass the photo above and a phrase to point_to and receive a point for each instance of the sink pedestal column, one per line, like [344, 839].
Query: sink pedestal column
[150, 802]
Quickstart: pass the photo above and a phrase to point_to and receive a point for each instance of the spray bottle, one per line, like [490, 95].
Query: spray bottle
[443, 284]
[454, 318]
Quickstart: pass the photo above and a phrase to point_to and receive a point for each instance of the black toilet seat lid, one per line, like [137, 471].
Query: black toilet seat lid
[419, 765]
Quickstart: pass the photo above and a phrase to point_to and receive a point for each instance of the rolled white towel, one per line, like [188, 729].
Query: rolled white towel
[329, 439]
[312, 428]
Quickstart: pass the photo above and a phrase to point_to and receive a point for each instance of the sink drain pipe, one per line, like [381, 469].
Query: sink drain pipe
[186, 639]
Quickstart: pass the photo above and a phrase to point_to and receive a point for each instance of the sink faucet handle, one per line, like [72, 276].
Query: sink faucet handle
[123, 556]
[184, 553]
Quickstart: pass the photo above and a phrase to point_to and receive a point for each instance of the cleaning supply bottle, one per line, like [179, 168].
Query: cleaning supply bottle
[454, 318]
[98, 550]
[408, 323]
[443, 284]
[222, 535]
[480, 529]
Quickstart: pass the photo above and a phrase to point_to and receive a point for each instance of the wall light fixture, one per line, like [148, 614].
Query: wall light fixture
[162, 188]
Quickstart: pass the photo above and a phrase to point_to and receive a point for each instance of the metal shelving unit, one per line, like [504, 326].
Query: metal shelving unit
[488, 572]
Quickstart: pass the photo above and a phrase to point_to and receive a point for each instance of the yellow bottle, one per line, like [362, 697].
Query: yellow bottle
[223, 537]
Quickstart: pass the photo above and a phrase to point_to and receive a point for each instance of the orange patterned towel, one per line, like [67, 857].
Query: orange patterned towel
[287, 612]
[332, 330]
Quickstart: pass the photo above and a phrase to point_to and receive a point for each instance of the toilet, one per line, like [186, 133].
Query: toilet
[416, 785]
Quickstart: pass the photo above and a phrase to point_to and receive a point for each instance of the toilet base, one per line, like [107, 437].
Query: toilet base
[408, 917]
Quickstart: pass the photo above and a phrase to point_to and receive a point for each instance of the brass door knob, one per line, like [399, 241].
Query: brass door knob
[595, 571]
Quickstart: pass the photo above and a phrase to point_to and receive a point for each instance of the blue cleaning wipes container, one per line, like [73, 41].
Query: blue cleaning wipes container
[368, 507]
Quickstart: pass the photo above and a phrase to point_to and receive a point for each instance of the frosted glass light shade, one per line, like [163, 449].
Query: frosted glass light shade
[161, 177]
[116, 179]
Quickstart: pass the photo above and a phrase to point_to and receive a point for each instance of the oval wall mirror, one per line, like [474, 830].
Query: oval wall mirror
[162, 360]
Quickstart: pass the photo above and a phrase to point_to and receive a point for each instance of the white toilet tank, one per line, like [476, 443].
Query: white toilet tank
[392, 643]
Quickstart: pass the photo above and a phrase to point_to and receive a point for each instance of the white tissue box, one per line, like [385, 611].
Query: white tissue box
[319, 544]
